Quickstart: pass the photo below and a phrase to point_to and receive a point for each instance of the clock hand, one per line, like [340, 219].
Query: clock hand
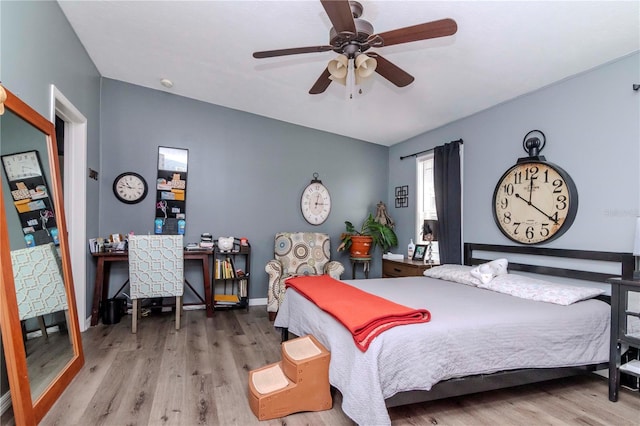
[530, 190]
[536, 207]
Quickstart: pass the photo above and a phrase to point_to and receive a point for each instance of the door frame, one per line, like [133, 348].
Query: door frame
[75, 193]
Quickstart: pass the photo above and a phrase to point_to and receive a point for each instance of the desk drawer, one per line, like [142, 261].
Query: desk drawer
[402, 268]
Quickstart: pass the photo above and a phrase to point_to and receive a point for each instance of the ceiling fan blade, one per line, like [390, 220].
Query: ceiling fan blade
[292, 51]
[391, 72]
[340, 15]
[321, 83]
[434, 29]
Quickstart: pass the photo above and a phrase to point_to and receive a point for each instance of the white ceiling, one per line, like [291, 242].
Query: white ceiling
[502, 49]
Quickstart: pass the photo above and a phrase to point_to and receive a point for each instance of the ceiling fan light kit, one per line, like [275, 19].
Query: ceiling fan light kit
[351, 72]
[351, 36]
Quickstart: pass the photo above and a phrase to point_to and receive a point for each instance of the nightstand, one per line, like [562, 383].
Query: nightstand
[403, 268]
[625, 329]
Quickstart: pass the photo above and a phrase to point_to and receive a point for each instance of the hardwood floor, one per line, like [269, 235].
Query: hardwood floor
[198, 376]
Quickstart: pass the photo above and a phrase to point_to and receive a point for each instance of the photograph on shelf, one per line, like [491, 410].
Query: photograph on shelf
[419, 252]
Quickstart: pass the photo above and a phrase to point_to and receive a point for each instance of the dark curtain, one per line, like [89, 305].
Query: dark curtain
[446, 179]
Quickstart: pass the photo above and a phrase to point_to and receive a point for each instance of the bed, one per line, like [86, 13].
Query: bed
[477, 340]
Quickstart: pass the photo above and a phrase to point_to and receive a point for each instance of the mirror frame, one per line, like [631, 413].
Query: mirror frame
[25, 410]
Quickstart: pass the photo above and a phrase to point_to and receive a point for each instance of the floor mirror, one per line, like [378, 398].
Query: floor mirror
[38, 316]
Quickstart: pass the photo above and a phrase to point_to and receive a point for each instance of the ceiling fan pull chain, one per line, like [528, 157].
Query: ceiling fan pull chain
[351, 79]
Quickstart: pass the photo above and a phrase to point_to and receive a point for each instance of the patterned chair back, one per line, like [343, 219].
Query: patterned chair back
[156, 266]
[37, 273]
[302, 253]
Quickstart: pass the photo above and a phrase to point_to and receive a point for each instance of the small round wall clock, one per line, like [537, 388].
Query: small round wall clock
[534, 201]
[130, 188]
[315, 202]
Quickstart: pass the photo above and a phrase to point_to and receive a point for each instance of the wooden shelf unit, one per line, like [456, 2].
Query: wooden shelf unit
[228, 289]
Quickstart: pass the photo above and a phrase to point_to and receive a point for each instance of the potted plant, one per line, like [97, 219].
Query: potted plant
[372, 234]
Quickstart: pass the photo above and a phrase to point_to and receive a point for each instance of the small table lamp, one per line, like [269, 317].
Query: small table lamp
[636, 250]
[430, 234]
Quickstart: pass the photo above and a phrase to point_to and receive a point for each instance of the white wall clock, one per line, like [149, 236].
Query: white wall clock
[315, 202]
[23, 165]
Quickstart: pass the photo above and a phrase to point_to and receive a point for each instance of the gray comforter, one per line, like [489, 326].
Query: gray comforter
[472, 331]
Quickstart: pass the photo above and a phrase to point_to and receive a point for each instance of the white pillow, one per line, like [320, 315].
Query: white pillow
[487, 271]
[483, 272]
[499, 266]
[540, 290]
[456, 273]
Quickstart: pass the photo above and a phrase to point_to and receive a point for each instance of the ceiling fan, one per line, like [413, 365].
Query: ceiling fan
[351, 36]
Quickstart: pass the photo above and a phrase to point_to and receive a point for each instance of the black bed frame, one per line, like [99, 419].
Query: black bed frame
[505, 379]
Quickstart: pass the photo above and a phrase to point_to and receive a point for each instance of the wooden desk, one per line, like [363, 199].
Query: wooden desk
[101, 291]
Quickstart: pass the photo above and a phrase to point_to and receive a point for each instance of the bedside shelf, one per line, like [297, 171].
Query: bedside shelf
[625, 294]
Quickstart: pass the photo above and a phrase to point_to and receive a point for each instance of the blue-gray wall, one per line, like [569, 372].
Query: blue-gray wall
[246, 173]
[38, 48]
[592, 126]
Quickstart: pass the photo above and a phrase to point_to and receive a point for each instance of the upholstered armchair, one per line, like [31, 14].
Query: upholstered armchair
[298, 253]
[156, 269]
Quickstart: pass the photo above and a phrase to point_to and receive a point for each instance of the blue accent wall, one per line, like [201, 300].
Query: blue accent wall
[246, 173]
[39, 48]
[592, 126]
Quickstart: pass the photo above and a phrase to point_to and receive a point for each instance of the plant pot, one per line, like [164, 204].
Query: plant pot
[360, 246]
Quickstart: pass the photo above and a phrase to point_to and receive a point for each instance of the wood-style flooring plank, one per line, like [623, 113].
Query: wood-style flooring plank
[199, 376]
[171, 390]
[200, 407]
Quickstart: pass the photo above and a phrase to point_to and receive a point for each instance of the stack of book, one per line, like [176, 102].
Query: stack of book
[206, 241]
[226, 299]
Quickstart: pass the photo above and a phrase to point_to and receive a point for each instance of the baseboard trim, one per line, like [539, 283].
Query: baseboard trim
[258, 302]
[193, 307]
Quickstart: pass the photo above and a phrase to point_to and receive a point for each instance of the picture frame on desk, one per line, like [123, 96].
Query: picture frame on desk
[419, 252]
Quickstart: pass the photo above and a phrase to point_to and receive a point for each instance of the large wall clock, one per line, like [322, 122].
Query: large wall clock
[130, 188]
[534, 201]
[315, 202]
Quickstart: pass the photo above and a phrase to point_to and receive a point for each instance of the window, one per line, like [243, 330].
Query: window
[426, 200]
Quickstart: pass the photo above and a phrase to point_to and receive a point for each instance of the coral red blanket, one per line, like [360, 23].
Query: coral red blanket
[365, 315]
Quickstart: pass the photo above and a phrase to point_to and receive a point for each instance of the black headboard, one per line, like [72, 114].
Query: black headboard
[625, 260]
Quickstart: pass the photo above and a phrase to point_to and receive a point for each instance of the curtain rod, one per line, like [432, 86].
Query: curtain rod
[427, 150]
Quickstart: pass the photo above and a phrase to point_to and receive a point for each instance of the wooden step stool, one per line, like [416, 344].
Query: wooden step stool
[300, 382]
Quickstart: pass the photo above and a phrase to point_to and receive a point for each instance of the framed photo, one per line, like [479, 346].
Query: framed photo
[419, 252]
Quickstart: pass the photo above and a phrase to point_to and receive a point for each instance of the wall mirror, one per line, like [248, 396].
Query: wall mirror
[39, 322]
[171, 191]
